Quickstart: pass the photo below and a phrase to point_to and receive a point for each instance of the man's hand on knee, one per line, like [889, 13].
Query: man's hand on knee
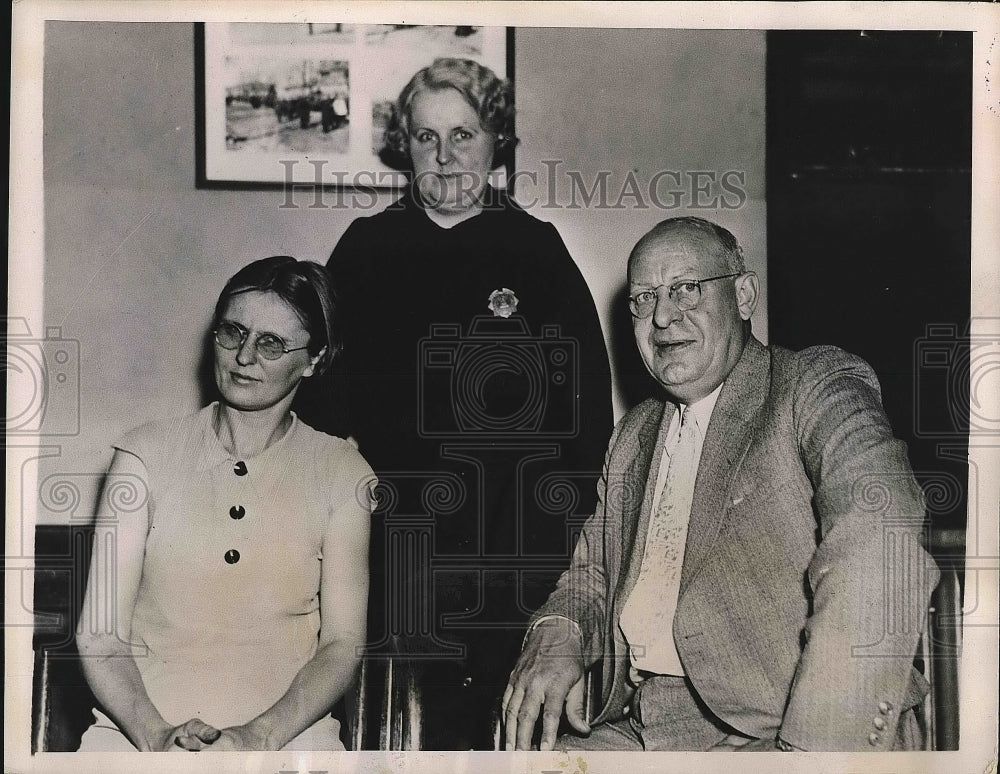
[549, 674]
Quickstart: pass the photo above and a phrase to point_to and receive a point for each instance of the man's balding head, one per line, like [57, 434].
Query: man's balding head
[691, 351]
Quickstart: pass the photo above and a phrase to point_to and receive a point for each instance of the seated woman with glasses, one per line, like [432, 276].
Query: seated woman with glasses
[225, 609]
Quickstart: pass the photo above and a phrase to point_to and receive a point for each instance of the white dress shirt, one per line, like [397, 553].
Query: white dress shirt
[702, 411]
[659, 653]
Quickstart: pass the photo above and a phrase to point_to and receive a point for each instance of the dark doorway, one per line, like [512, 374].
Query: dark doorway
[869, 156]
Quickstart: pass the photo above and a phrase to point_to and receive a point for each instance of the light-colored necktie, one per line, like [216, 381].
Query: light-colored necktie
[648, 616]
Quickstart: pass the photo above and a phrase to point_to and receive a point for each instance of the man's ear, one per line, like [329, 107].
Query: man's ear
[311, 368]
[747, 294]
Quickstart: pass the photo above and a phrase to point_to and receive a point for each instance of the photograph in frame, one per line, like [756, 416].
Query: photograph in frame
[277, 101]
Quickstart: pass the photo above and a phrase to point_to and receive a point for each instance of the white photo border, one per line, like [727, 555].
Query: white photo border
[26, 269]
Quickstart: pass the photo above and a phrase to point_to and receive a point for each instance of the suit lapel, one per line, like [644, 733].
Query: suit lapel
[727, 439]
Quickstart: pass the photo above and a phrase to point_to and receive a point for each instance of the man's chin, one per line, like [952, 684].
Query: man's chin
[675, 380]
[671, 373]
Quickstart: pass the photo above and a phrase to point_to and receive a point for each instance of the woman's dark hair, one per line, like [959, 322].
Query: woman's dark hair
[304, 286]
[489, 96]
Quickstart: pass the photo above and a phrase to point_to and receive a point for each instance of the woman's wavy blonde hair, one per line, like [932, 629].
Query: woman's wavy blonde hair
[492, 99]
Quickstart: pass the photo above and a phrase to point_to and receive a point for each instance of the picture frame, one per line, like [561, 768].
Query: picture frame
[306, 104]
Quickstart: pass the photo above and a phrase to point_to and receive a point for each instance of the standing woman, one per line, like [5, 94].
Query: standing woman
[475, 380]
[226, 610]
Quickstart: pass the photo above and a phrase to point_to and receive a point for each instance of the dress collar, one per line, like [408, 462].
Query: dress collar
[214, 453]
[411, 203]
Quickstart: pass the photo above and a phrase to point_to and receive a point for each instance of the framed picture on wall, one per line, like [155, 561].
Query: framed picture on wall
[308, 103]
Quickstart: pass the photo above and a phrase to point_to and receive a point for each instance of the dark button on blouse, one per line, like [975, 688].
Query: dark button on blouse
[237, 512]
[240, 468]
[232, 556]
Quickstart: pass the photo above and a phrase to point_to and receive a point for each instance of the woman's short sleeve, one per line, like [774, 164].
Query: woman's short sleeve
[137, 442]
[352, 480]
[167, 448]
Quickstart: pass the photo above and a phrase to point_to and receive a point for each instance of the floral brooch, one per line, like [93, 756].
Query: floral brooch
[503, 302]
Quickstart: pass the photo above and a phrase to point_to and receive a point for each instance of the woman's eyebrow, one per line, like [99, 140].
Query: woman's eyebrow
[259, 333]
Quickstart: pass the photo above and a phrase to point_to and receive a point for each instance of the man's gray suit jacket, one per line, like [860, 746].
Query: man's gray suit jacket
[804, 587]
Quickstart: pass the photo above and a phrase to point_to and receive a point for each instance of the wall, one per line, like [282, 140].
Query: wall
[134, 255]
[671, 108]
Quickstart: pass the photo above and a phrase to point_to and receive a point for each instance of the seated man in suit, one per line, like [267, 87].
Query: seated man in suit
[753, 577]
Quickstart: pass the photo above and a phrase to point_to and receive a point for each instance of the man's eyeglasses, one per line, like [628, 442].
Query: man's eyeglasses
[229, 335]
[684, 293]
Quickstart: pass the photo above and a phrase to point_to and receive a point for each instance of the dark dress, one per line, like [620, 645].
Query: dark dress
[487, 434]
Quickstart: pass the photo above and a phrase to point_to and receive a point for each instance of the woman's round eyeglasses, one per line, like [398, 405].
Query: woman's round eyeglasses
[229, 335]
[684, 293]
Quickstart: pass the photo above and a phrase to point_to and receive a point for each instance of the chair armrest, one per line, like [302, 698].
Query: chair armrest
[943, 649]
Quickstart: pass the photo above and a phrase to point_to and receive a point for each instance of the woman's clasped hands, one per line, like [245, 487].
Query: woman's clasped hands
[195, 736]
